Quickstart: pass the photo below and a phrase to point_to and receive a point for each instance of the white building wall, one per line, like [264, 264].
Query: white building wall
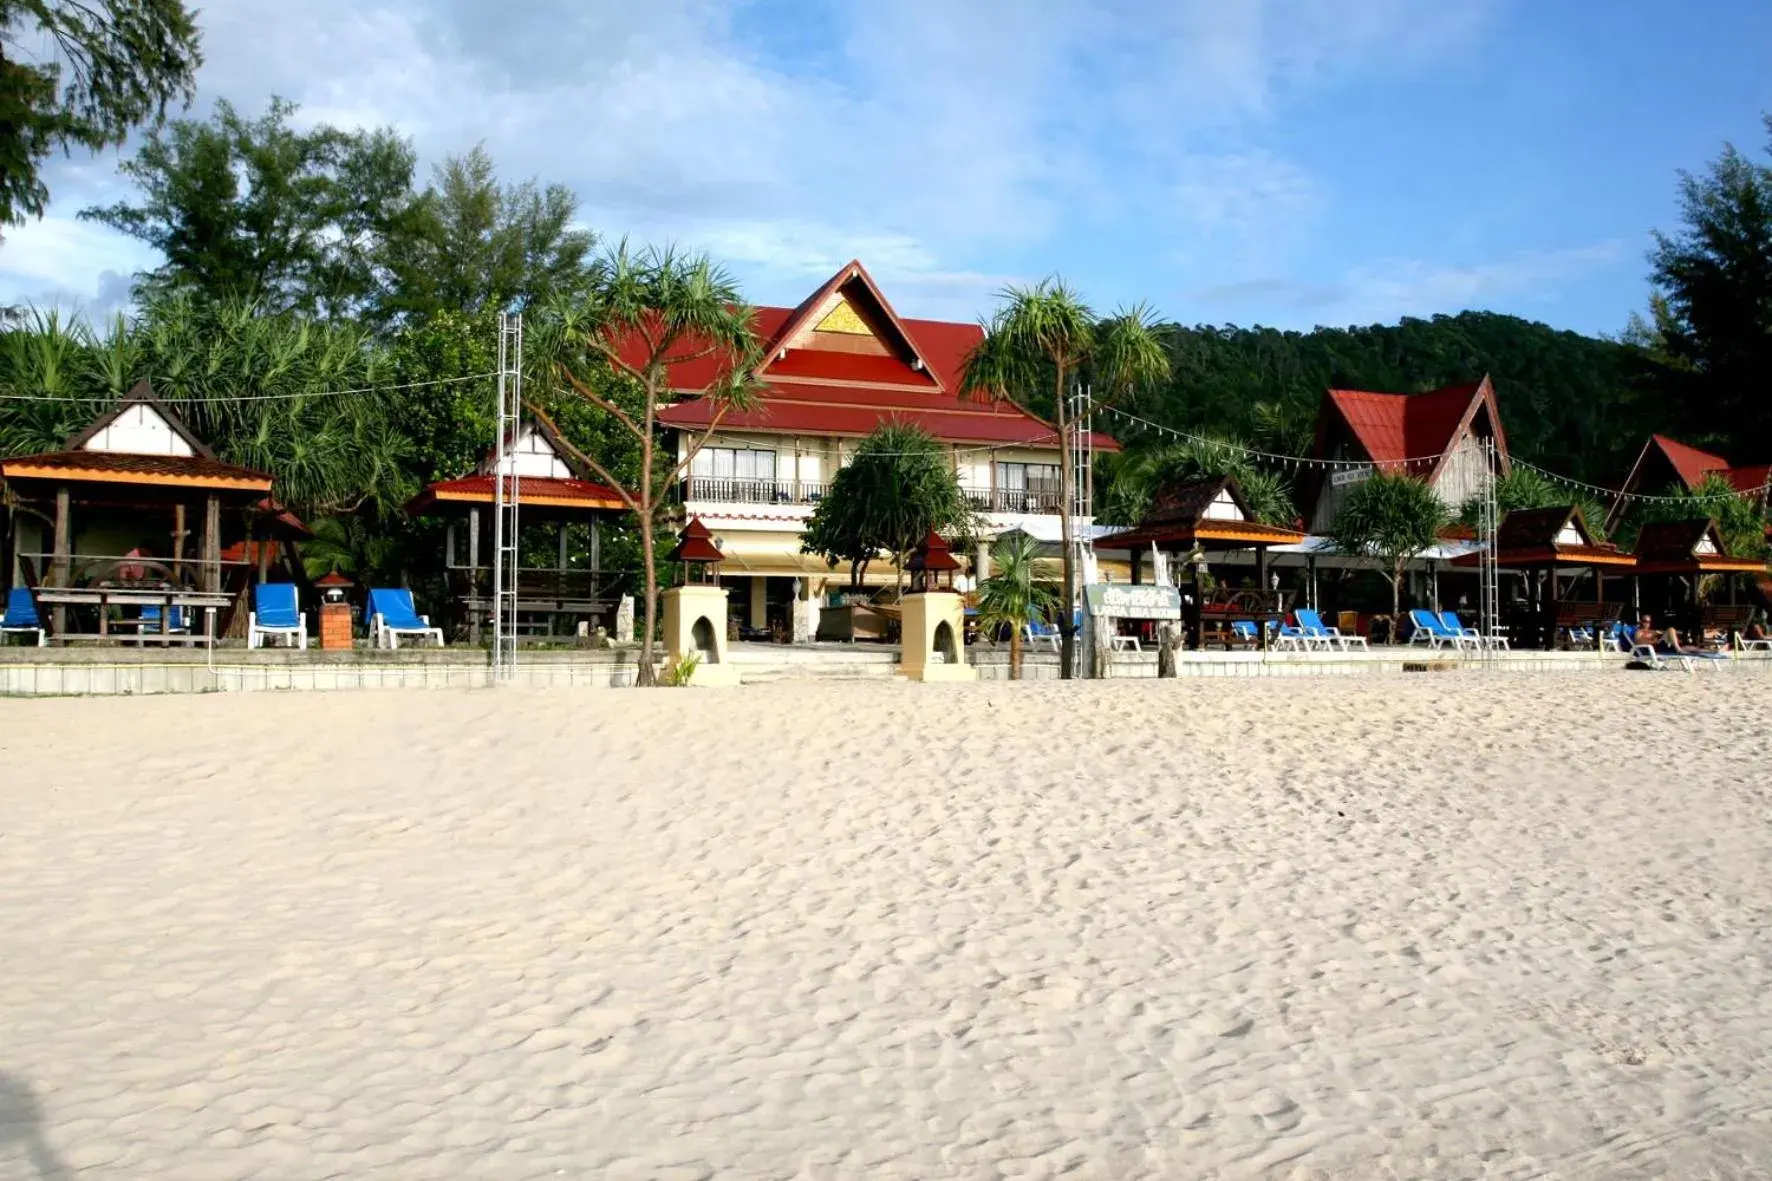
[140, 430]
[1465, 473]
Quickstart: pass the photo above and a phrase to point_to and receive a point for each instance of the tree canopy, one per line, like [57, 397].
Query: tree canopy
[111, 66]
[898, 487]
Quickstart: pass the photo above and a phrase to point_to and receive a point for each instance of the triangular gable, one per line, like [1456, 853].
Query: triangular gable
[1571, 534]
[140, 424]
[1708, 542]
[1224, 507]
[536, 451]
[850, 308]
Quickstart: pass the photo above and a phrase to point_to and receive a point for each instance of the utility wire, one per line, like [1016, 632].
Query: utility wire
[287, 396]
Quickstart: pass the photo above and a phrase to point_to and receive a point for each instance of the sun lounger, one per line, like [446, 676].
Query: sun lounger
[276, 612]
[150, 620]
[1686, 658]
[1245, 632]
[392, 615]
[1286, 636]
[1477, 639]
[1432, 630]
[1312, 625]
[20, 617]
[1035, 630]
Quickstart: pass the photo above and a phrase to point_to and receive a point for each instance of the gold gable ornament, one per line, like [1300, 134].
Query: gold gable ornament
[843, 319]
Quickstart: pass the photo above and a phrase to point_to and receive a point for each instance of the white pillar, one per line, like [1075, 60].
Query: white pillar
[759, 601]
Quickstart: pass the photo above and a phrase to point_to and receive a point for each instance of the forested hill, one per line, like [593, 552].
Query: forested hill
[1568, 401]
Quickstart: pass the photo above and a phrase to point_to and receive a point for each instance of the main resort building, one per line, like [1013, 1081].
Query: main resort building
[834, 368]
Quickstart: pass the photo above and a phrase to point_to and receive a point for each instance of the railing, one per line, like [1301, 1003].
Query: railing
[123, 571]
[1014, 500]
[732, 490]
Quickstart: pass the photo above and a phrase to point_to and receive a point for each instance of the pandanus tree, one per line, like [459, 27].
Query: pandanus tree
[642, 314]
[1389, 518]
[1045, 341]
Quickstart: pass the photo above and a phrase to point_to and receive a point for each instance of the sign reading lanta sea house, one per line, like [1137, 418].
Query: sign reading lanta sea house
[1125, 601]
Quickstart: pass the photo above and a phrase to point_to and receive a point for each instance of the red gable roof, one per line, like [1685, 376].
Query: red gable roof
[1691, 463]
[820, 391]
[1749, 479]
[1392, 428]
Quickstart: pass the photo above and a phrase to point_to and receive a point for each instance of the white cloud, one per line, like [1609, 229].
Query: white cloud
[925, 136]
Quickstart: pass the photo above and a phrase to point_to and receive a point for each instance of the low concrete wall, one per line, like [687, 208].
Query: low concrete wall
[115, 671]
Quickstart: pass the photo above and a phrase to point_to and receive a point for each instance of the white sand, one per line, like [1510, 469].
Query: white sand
[1447, 926]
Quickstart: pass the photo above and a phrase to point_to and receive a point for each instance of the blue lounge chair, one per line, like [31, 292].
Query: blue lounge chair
[1429, 629]
[1037, 629]
[276, 612]
[150, 618]
[1477, 639]
[1244, 630]
[20, 616]
[1312, 625]
[1285, 635]
[392, 615]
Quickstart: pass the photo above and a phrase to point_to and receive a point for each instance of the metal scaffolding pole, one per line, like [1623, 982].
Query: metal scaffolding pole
[506, 497]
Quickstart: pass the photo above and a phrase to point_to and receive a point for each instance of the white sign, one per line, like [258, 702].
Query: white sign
[1354, 475]
[1122, 600]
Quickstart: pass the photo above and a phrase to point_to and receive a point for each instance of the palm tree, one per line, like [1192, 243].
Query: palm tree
[644, 313]
[1012, 595]
[1045, 335]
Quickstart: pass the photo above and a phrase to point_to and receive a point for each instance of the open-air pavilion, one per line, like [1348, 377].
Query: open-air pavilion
[1201, 518]
[554, 496]
[1675, 560]
[1556, 552]
[102, 530]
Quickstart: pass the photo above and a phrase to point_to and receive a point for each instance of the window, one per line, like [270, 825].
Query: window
[728, 463]
[1027, 487]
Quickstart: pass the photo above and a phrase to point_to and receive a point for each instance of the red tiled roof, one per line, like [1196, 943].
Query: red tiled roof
[1748, 479]
[531, 490]
[1392, 428]
[1689, 462]
[849, 394]
[116, 467]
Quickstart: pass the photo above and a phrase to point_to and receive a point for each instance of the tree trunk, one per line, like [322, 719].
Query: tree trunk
[1396, 604]
[1067, 643]
[646, 675]
[1015, 654]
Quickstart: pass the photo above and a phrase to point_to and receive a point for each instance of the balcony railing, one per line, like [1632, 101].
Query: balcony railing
[731, 490]
[734, 490]
[1014, 500]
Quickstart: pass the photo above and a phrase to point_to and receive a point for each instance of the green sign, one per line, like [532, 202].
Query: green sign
[1123, 600]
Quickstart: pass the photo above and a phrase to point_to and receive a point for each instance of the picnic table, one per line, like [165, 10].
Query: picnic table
[166, 598]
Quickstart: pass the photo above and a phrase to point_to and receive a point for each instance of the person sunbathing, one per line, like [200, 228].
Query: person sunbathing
[1666, 640]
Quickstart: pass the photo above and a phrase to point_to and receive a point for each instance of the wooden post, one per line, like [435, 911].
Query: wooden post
[1311, 578]
[1137, 565]
[596, 546]
[1549, 611]
[211, 543]
[473, 572]
[562, 547]
[64, 551]
[1193, 611]
[178, 542]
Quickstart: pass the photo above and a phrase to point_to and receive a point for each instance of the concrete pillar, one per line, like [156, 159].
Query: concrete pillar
[211, 580]
[759, 613]
[695, 623]
[64, 550]
[981, 561]
[933, 631]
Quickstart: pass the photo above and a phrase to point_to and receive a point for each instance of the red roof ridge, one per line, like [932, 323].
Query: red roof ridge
[799, 319]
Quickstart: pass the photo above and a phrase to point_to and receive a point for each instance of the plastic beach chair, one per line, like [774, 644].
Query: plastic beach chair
[1296, 638]
[1432, 631]
[20, 617]
[392, 615]
[1455, 625]
[1244, 630]
[150, 615]
[276, 612]
[1036, 629]
[1312, 625]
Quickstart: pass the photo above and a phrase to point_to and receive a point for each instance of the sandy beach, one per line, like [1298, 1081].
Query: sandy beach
[1439, 926]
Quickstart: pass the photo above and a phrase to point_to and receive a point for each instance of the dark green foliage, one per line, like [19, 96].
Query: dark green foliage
[1014, 593]
[899, 486]
[1569, 402]
[109, 66]
[1130, 480]
[257, 209]
[1740, 520]
[1713, 307]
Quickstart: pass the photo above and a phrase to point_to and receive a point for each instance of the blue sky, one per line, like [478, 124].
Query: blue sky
[1284, 162]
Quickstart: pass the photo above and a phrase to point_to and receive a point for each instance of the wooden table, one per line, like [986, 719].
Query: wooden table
[106, 597]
